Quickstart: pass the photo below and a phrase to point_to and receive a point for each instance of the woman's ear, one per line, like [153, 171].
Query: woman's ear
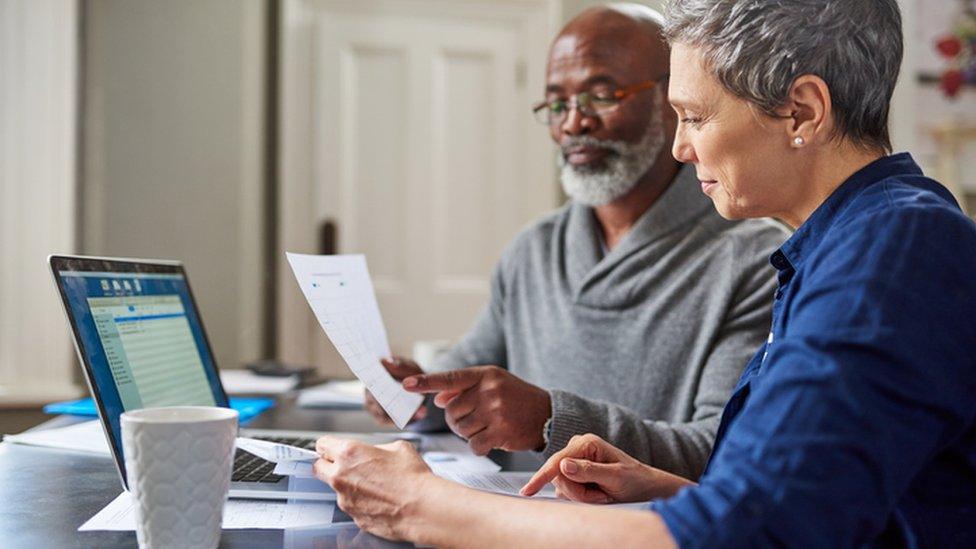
[810, 108]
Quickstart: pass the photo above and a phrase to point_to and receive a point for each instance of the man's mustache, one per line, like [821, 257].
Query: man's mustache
[572, 143]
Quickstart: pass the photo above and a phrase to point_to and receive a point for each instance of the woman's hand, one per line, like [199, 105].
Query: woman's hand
[377, 486]
[591, 470]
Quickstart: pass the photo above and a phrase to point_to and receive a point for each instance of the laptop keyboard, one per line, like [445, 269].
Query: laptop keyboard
[250, 468]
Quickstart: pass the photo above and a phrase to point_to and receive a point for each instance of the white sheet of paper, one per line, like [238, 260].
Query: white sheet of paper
[340, 293]
[444, 442]
[275, 452]
[244, 382]
[120, 515]
[295, 469]
[505, 482]
[333, 394]
[439, 462]
[86, 437]
[463, 462]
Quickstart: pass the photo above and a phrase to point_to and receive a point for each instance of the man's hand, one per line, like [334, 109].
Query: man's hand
[488, 406]
[376, 485]
[591, 470]
[399, 368]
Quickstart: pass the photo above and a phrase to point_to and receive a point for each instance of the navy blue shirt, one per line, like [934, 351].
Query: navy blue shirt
[856, 423]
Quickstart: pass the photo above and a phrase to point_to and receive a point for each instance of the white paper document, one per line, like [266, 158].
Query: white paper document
[245, 382]
[340, 292]
[506, 482]
[295, 469]
[275, 452]
[334, 394]
[85, 437]
[238, 514]
[439, 462]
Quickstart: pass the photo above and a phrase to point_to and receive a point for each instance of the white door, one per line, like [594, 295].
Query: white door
[407, 129]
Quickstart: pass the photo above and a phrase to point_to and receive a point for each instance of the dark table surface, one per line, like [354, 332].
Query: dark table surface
[46, 494]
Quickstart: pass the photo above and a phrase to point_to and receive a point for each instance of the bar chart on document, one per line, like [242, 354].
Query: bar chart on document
[339, 291]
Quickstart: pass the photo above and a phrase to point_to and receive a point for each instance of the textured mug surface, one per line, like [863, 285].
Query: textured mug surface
[178, 464]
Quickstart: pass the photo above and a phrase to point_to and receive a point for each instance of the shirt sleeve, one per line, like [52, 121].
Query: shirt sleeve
[681, 448]
[483, 344]
[873, 377]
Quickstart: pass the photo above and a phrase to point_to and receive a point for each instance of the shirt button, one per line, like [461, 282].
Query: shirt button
[779, 261]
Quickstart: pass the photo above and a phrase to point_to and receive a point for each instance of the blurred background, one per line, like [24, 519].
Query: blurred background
[225, 132]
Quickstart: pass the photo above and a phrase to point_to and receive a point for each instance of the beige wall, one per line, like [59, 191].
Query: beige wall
[172, 162]
[573, 7]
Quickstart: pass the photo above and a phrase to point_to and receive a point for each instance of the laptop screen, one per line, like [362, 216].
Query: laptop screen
[140, 335]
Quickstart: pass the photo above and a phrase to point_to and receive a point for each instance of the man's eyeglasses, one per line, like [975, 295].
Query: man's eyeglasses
[589, 104]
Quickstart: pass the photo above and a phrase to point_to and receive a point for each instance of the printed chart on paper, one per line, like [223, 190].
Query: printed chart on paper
[340, 292]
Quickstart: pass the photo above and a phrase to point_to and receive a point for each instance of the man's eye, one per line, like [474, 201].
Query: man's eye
[557, 106]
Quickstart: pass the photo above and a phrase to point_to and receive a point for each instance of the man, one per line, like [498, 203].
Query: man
[631, 311]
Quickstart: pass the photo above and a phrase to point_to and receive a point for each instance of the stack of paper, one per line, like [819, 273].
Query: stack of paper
[340, 292]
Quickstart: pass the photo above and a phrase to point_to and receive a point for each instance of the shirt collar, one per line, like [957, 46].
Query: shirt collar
[807, 237]
[681, 202]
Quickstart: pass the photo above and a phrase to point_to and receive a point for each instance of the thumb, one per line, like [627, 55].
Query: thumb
[585, 471]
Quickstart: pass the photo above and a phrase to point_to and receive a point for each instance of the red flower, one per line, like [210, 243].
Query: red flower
[951, 82]
[949, 46]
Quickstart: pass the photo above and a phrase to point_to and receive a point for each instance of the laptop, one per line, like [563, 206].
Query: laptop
[141, 343]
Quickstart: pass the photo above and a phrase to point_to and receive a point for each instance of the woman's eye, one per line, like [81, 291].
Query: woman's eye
[694, 121]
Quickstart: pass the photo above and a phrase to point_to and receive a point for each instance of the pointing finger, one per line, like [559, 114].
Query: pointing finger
[455, 380]
[545, 475]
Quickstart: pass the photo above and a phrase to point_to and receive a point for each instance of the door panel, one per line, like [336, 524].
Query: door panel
[424, 151]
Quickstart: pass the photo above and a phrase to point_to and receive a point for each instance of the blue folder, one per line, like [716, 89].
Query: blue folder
[248, 408]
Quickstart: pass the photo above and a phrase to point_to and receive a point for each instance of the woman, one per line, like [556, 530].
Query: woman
[856, 423]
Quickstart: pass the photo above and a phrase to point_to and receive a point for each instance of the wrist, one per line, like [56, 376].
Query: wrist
[660, 483]
[544, 433]
[421, 516]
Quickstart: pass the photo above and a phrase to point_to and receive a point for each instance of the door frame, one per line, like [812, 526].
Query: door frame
[537, 21]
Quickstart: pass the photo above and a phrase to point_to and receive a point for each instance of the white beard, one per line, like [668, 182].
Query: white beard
[620, 171]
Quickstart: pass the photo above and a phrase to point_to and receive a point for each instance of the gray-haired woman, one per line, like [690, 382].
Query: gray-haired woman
[856, 423]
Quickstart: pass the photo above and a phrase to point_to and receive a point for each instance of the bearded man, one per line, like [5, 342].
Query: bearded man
[631, 311]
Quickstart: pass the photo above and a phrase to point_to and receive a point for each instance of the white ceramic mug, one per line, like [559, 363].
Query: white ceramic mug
[178, 464]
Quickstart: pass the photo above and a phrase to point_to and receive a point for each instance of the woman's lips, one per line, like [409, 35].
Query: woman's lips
[708, 184]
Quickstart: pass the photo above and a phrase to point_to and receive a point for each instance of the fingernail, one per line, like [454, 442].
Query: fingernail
[570, 466]
[410, 382]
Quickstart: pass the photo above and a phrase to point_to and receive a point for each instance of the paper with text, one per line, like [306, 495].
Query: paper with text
[340, 293]
[275, 452]
[120, 515]
[439, 462]
[505, 482]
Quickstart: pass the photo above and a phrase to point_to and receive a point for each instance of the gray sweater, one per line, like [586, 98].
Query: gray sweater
[643, 346]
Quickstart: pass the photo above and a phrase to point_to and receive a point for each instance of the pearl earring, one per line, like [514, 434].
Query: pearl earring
[798, 141]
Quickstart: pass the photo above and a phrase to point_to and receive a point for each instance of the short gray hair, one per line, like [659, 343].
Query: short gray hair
[758, 48]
